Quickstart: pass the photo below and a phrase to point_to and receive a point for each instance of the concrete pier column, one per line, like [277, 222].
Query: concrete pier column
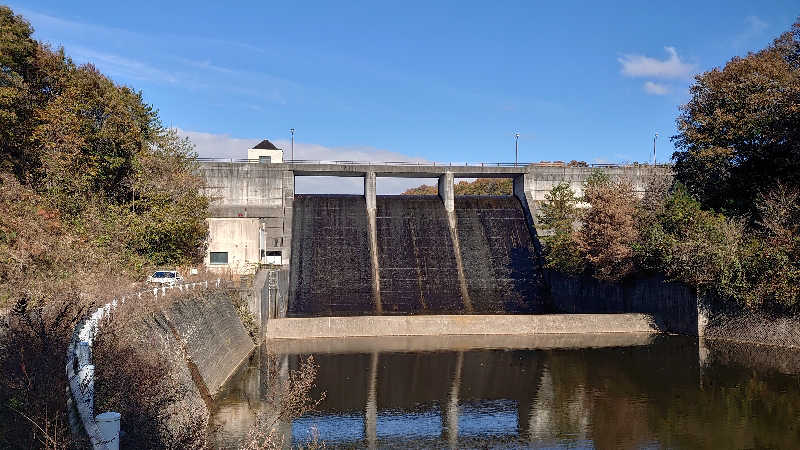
[524, 191]
[462, 279]
[371, 201]
[447, 194]
[287, 186]
[370, 189]
[451, 410]
[447, 191]
[371, 408]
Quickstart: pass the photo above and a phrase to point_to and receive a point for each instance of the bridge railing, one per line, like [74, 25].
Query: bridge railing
[434, 163]
[103, 429]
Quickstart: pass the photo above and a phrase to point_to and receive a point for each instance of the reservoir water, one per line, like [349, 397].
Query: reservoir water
[556, 391]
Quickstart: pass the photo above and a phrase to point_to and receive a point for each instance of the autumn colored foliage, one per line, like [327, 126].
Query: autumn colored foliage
[739, 134]
[93, 190]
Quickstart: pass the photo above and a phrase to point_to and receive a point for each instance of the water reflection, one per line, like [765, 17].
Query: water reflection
[606, 391]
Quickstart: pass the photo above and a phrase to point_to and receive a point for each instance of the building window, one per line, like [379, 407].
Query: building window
[219, 258]
[265, 159]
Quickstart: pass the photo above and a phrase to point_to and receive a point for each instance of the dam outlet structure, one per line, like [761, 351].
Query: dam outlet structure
[388, 255]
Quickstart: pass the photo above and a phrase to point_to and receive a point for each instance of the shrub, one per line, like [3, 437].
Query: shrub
[609, 230]
[557, 217]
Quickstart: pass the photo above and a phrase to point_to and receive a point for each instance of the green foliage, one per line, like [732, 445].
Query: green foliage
[559, 210]
[720, 256]
[557, 217]
[97, 155]
[597, 178]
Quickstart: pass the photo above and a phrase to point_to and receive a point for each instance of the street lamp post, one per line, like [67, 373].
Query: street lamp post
[654, 148]
[292, 131]
[516, 148]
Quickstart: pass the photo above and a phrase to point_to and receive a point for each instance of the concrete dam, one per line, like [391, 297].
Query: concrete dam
[483, 261]
[392, 255]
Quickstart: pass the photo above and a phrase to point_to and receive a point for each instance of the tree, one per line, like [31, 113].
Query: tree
[740, 131]
[609, 231]
[97, 155]
[557, 217]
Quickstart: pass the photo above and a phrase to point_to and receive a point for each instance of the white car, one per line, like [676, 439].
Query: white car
[165, 277]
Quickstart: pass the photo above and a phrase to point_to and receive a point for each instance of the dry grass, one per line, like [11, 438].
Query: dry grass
[288, 397]
[141, 373]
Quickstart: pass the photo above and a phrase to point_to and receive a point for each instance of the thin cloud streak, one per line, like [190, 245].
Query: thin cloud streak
[119, 66]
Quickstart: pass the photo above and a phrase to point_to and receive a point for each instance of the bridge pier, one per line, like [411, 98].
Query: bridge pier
[370, 188]
[446, 191]
[447, 194]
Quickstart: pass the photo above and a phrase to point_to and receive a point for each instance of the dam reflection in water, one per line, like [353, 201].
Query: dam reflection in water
[604, 391]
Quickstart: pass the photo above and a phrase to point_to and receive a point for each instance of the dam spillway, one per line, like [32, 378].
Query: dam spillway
[331, 272]
[498, 255]
[479, 258]
[417, 262]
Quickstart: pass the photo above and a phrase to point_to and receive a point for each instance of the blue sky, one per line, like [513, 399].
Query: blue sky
[415, 80]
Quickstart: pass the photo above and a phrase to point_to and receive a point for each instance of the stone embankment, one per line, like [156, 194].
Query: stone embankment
[206, 329]
[750, 327]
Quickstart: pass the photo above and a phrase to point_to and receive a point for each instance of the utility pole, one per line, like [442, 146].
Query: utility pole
[654, 148]
[516, 148]
[292, 131]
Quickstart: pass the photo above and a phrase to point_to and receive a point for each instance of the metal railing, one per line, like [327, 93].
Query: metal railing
[431, 163]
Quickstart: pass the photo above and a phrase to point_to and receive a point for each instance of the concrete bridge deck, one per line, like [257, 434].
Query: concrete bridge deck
[388, 169]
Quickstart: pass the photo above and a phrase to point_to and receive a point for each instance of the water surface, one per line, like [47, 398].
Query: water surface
[563, 391]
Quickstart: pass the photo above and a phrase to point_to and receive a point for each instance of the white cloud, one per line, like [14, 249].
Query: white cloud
[224, 146]
[655, 88]
[123, 67]
[645, 66]
[209, 145]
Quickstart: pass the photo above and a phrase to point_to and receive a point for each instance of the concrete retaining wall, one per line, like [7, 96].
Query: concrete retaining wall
[457, 325]
[210, 333]
[213, 336]
[672, 306]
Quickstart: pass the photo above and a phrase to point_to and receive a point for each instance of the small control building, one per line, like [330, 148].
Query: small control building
[250, 221]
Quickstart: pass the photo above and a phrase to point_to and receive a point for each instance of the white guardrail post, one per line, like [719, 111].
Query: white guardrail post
[104, 429]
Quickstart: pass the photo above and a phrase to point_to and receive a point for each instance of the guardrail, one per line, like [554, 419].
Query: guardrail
[432, 163]
[371, 163]
[103, 430]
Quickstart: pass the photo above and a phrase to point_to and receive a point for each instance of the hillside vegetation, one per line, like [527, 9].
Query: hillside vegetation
[94, 190]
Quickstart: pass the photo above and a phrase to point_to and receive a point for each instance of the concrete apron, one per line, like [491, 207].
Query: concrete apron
[331, 327]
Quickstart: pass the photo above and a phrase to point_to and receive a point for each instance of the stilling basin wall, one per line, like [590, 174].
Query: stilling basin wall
[672, 306]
